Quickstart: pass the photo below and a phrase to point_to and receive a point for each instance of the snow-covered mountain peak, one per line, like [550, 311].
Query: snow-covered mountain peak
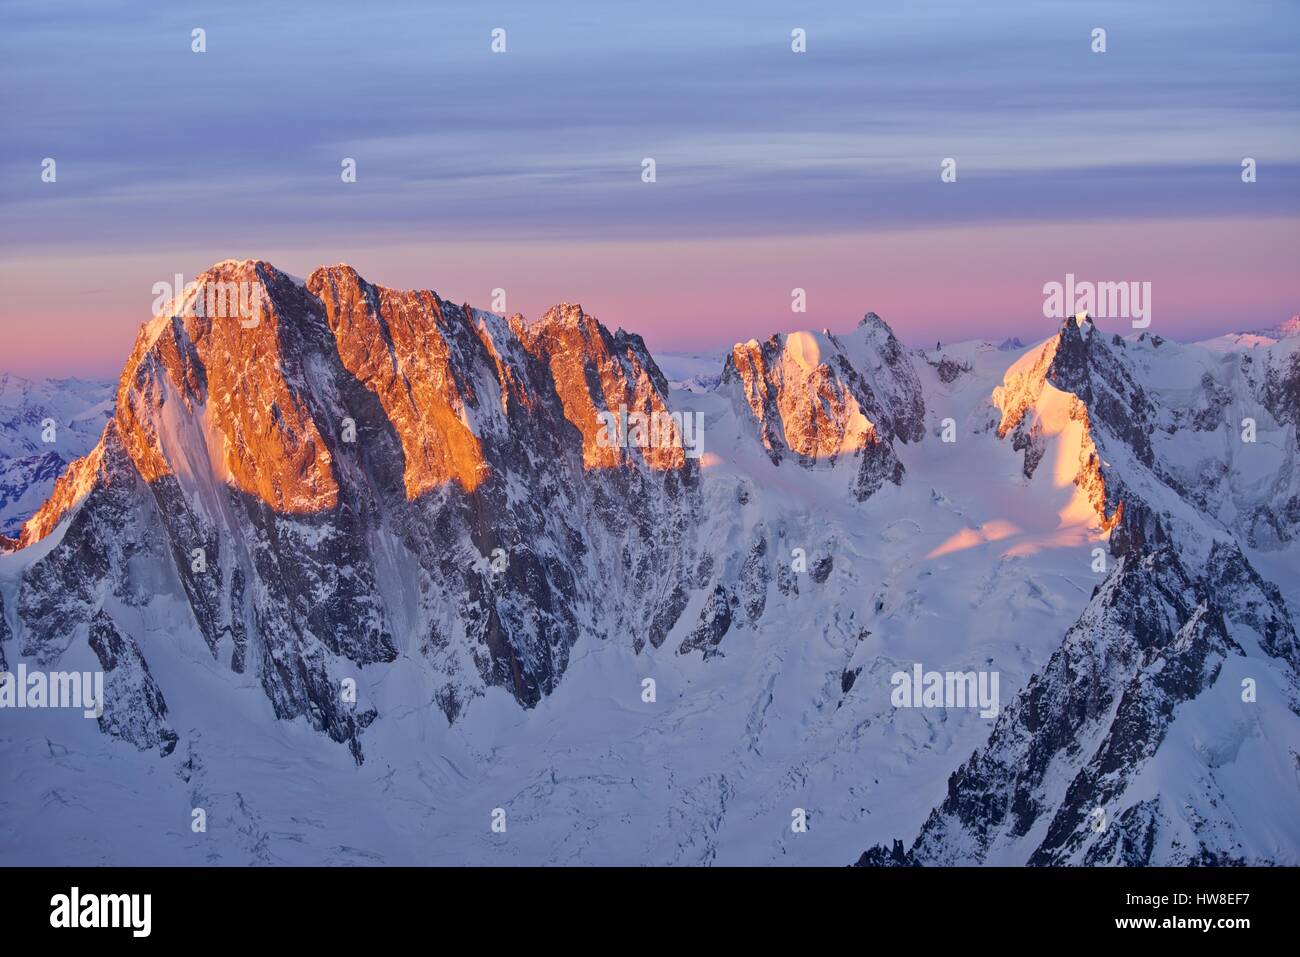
[564, 314]
[1288, 329]
[385, 491]
[595, 373]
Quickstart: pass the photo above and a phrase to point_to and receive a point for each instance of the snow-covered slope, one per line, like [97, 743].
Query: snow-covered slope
[1164, 730]
[633, 654]
[691, 372]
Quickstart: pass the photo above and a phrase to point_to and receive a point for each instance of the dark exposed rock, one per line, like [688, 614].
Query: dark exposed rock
[4, 635]
[787, 582]
[1029, 440]
[880, 856]
[754, 577]
[714, 623]
[1086, 366]
[879, 465]
[847, 678]
[666, 615]
[133, 707]
[949, 369]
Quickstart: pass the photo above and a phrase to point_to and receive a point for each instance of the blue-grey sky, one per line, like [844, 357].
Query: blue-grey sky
[774, 169]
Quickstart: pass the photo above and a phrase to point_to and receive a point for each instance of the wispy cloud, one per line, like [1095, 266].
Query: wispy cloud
[237, 151]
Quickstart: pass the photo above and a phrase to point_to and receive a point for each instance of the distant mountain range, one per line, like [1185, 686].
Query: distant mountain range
[375, 567]
[32, 453]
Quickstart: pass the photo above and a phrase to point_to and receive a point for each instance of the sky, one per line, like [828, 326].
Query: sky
[774, 170]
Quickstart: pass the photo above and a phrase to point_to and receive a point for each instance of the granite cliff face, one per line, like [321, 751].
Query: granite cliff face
[362, 461]
[380, 520]
[816, 398]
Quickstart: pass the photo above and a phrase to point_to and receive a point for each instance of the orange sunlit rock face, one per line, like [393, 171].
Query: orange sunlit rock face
[817, 415]
[140, 393]
[395, 343]
[211, 394]
[230, 396]
[1063, 417]
[234, 374]
[593, 376]
[748, 360]
[1021, 385]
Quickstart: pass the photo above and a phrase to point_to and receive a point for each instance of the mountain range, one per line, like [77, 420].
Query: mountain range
[371, 581]
[44, 425]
